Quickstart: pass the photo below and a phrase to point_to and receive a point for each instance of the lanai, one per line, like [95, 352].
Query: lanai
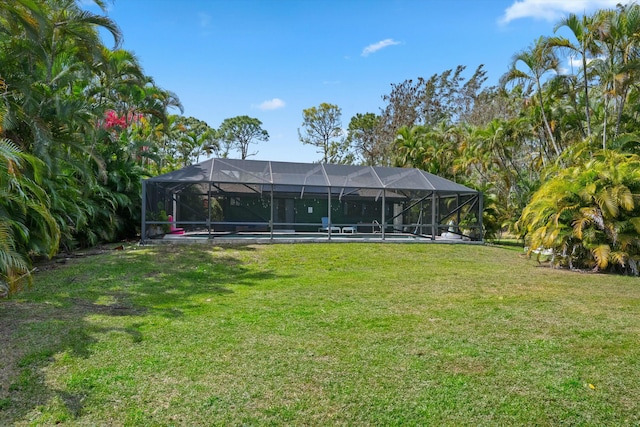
[230, 196]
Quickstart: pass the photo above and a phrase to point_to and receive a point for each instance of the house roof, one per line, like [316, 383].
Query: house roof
[310, 175]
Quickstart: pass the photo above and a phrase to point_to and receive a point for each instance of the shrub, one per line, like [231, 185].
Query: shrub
[588, 215]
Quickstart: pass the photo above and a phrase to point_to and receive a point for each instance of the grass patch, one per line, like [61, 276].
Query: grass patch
[324, 334]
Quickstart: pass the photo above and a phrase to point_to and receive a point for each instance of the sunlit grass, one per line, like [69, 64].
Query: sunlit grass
[320, 334]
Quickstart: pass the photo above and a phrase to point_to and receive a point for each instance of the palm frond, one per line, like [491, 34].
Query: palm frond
[601, 255]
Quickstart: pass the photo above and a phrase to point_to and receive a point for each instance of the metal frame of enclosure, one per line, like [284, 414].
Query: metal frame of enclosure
[226, 197]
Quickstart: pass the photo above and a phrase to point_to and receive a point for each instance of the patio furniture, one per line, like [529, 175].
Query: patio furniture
[173, 229]
[325, 226]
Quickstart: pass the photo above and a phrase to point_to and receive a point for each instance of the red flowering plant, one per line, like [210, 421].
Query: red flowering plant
[112, 120]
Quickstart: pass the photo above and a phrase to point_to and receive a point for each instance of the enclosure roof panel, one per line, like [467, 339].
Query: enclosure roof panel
[200, 172]
[240, 171]
[305, 174]
[310, 175]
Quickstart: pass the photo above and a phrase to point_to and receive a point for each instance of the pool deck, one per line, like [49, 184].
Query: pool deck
[291, 237]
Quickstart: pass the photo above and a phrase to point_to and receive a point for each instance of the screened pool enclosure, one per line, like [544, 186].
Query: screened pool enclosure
[226, 198]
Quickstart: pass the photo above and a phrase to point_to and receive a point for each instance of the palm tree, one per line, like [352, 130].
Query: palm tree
[442, 144]
[626, 41]
[409, 146]
[588, 215]
[587, 47]
[539, 60]
[69, 27]
[20, 17]
[26, 225]
[117, 72]
[195, 137]
[617, 67]
[497, 159]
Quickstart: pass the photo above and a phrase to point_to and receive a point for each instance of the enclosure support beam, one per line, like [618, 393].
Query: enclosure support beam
[476, 203]
[209, 211]
[174, 206]
[408, 208]
[271, 220]
[434, 222]
[384, 217]
[480, 212]
[329, 213]
[143, 229]
[472, 201]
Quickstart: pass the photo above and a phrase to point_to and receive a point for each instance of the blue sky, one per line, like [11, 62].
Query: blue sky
[270, 59]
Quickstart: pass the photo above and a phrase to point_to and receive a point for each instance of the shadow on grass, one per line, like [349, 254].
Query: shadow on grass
[34, 334]
[507, 242]
[52, 321]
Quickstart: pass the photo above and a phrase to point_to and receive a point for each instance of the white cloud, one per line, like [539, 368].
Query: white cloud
[551, 10]
[272, 104]
[372, 48]
[575, 62]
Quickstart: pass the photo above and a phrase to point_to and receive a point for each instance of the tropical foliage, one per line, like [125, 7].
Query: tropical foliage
[80, 125]
[588, 215]
[554, 151]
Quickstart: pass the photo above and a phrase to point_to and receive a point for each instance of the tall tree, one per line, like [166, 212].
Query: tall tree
[195, 138]
[539, 60]
[587, 48]
[70, 28]
[322, 127]
[241, 131]
[618, 65]
[363, 136]
[446, 97]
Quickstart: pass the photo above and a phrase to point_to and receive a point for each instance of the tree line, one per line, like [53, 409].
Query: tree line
[555, 152]
[554, 149]
[81, 125]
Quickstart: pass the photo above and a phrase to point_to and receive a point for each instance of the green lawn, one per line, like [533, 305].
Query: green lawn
[320, 334]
